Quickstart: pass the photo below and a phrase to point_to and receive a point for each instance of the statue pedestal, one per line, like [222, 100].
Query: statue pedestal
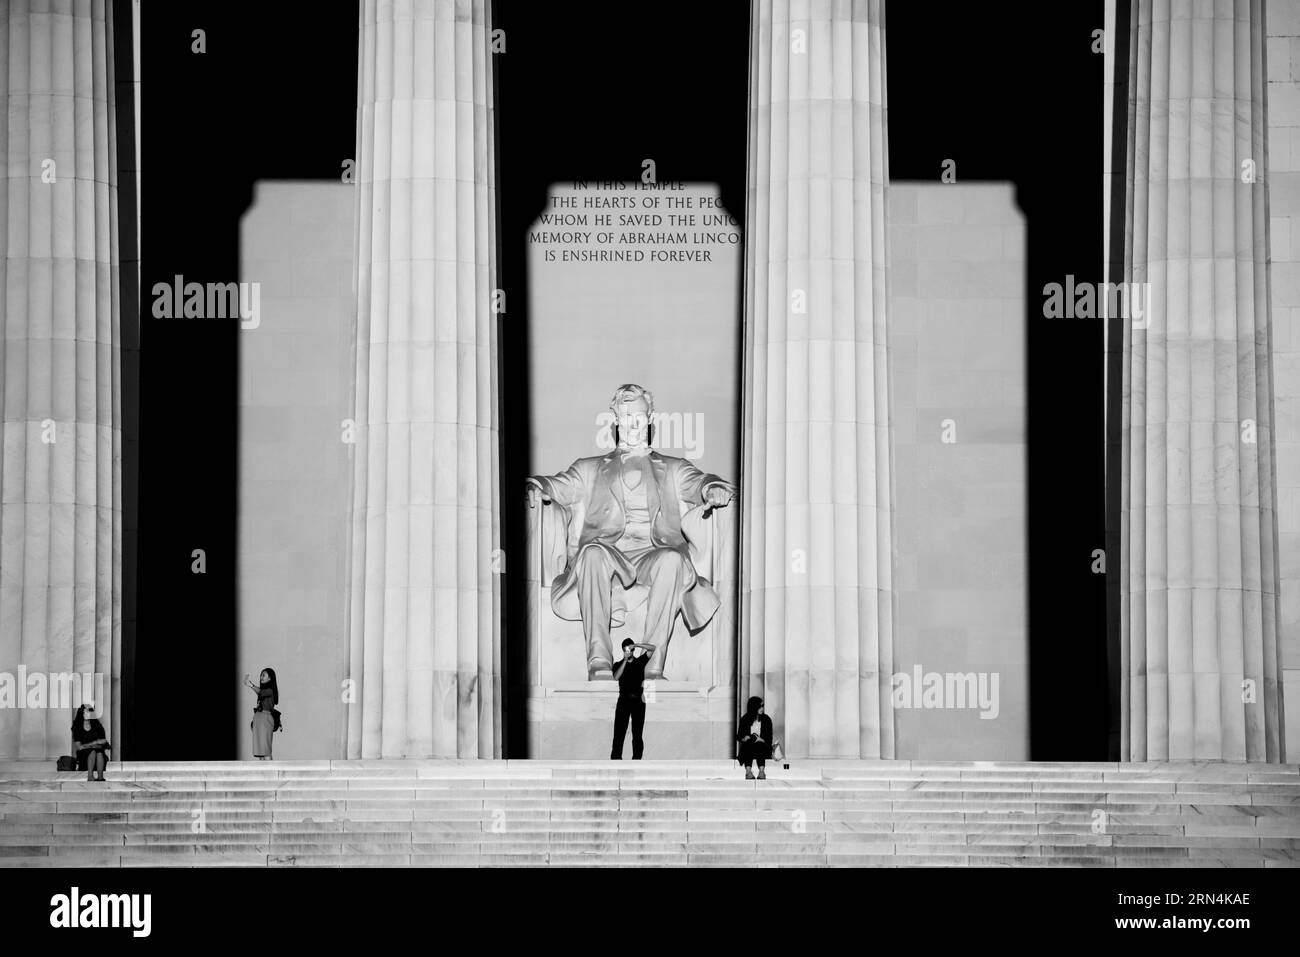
[690, 713]
[576, 720]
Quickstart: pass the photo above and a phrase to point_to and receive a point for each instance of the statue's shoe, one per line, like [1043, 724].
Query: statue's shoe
[598, 670]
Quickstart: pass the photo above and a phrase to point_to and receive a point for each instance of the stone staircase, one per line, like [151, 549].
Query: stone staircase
[819, 813]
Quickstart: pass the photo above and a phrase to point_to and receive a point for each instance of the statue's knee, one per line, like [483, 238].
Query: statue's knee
[592, 558]
[667, 560]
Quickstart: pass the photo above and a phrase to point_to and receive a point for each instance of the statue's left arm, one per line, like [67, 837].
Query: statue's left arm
[693, 485]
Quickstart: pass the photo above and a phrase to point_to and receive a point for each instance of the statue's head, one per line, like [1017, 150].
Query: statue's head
[633, 408]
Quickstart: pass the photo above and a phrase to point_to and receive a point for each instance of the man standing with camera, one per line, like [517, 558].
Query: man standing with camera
[630, 672]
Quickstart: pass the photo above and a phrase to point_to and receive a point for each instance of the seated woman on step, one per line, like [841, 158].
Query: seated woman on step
[265, 717]
[90, 742]
[755, 737]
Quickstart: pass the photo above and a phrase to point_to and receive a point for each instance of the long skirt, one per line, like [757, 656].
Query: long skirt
[262, 725]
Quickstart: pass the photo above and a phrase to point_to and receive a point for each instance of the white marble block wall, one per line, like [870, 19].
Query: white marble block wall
[1282, 175]
[294, 467]
[957, 354]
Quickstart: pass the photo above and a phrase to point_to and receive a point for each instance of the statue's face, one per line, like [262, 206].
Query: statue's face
[634, 423]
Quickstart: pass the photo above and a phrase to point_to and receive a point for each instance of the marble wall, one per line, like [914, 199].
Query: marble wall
[957, 343]
[957, 334]
[673, 327]
[1282, 175]
[295, 385]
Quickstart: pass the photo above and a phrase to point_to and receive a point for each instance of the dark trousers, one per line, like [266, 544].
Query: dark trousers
[629, 705]
[751, 751]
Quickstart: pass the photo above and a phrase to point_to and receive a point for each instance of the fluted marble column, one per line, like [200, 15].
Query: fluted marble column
[816, 586]
[60, 468]
[424, 602]
[1198, 602]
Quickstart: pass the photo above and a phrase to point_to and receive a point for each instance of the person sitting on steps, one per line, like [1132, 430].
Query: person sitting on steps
[90, 742]
[755, 737]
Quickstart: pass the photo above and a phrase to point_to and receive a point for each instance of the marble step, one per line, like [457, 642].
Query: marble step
[647, 820]
[502, 814]
[125, 795]
[987, 845]
[122, 796]
[1082, 818]
[638, 860]
[776, 779]
[697, 772]
[549, 772]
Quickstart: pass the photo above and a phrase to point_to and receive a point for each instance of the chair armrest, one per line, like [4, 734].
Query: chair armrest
[547, 537]
[709, 533]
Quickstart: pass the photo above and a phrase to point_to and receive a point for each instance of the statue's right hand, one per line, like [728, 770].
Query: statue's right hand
[535, 492]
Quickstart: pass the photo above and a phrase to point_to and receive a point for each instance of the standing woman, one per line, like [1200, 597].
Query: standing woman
[91, 742]
[755, 737]
[263, 724]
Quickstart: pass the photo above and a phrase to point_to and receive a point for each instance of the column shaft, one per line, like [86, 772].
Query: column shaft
[424, 603]
[60, 462]
[816, 582]
[1198, 600]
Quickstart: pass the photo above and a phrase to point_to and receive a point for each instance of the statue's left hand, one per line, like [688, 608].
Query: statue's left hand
[717, 496]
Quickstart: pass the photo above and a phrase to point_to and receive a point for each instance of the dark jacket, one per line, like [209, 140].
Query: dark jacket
[266, 696]
[96, 732]
[80, 734]
[765, 723]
